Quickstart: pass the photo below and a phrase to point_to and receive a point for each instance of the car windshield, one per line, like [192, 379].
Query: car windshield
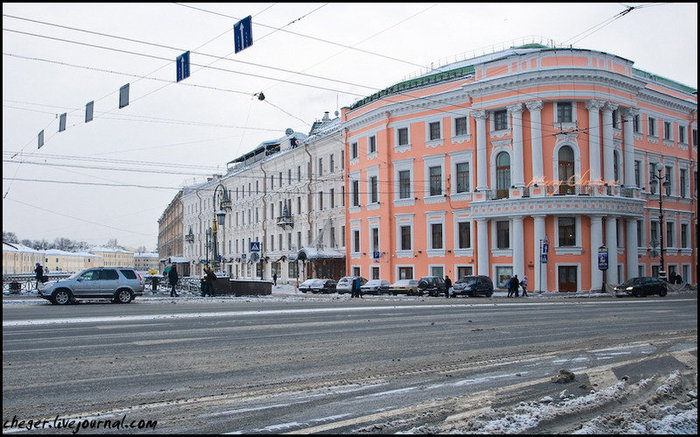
[468, 280]
[308, 282]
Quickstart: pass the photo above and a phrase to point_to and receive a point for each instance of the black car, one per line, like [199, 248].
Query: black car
[642, 286]
[433, 285]
[473, 286]
[318, 286]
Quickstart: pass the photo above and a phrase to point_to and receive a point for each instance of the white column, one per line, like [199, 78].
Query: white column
[516, 111]
[608, 143]
[535, 108]
[596, 242]
[518, 250]
[481, 158]
[631, 244]
[482, 266]
[628, 144]
[611, 243]
[540, 270]
[593, 107]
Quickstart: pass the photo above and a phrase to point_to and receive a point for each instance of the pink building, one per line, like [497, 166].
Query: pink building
[474, 167]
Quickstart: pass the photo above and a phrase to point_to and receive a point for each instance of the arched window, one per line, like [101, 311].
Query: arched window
[502, 175]
[567, 179]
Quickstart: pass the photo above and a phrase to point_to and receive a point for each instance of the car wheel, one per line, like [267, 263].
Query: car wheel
[61, 297]
[123, 296]
[662, 293]
[635, 293]
[489, 294]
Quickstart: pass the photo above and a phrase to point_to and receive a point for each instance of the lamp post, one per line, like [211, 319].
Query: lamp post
[219, 218]
[657, 179]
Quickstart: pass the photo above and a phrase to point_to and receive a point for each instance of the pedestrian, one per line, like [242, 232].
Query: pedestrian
[172, 278]
[39, 274]
[208, 281]
[513, 285]
[274, 278]
[356, 287]
[523, 284]
[448, 286]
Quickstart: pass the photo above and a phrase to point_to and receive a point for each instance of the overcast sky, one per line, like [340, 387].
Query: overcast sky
[114, 176]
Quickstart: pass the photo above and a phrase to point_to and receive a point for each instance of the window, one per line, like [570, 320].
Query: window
[375, 239]
[616, 119]
[667, 130]
[331, 164]
[355, 193]
[405, 272]
[372, 144]
[332, 196]
[566, 170]
[654, 233]
[404, 184]
[405, 237]
[299, 205]
[272, 181]
[464, 235]
[567, 231]
[434, 130]
[502, 235]
[460, 126]
[320, 166]
[637, 175]
[298, 173]
[669, 172]
[320, 200]
[353, 151]
[374, 195]
[652, 127]
[289, 176]
[462, 177]
[652, 176]
[500, 120]
[635, 124]
[683, 181]
[681, 134]
[684, 235]
[670, 241]
[564, 112]
[436, 235]
[375, 272]
[403, 136]
[435, 180]
[356, 240]
[502, 175]
[640, 234]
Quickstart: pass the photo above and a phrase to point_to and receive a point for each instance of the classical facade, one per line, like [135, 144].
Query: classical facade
[527, 162]
[285, 197]
[170, 236]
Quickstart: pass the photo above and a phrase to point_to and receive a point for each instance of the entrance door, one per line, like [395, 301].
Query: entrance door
[567, 278]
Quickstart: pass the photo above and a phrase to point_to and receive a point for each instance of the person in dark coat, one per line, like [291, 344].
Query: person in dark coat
[39, 274]
[356, 287]
[208, 281]
[448, 285]
[523, 284]
[513, 285]
[274, 278]
[173, 278]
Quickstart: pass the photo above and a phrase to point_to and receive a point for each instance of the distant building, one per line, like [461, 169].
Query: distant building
[112, 257]
[145, 262]
[17, 258]
[170, 232]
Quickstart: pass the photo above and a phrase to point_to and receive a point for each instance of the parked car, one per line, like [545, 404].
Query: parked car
[473, 286]
[642, 286]
[405, 286]
[119, 284]
[324, 286]
[376, 286]
[308, 284]
[344, 284]
[432, 285]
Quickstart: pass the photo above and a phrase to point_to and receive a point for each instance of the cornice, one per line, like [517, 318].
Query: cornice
[558, 205]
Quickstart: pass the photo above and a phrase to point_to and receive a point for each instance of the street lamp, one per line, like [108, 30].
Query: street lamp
[666, 183]
[219, 217]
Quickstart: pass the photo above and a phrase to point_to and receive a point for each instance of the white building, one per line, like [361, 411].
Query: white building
[287, 195]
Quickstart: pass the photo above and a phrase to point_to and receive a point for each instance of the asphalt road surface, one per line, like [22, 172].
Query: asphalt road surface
[324, 365]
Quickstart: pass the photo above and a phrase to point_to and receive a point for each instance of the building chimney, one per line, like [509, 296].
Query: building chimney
[326, 117]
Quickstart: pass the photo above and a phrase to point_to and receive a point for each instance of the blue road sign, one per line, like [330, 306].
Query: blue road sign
[543, 258]
[375, 254]
[545, 247]
[243, 33]
[603, 261]
[254, 246]
[183, 66]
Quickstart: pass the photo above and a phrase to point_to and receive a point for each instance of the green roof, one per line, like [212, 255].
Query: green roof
[662, 80]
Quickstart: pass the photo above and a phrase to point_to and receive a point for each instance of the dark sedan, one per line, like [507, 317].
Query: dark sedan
[642, 286]
[473, 286]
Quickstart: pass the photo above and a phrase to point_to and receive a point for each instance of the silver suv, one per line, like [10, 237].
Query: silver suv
[117, 283]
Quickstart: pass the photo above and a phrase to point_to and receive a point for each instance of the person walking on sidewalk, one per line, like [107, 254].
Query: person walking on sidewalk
[173, 278]
[523, 284]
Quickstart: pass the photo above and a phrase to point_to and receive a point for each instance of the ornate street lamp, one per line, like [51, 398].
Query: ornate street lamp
[219, 218]
[666, 183]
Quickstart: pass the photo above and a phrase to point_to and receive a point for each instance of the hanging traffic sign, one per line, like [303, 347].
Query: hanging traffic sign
[243, 33]
[254, 246]
[545, 247]
[543, 258]
[183, 66]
